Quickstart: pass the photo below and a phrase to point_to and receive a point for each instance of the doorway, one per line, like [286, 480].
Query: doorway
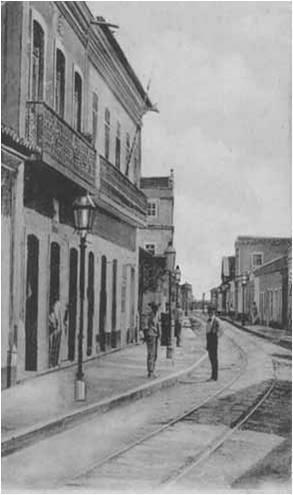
[31, 307]
[103, 303]
[72, 302]
[91, 303]
[114, 304]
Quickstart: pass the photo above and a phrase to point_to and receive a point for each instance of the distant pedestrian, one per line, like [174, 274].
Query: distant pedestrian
[178, 325]
[152, 338]
[55, 332]
[254, 314]
[213, 331]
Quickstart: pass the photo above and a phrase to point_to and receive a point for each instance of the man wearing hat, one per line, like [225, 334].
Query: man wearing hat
[152, 337]
[213, 332]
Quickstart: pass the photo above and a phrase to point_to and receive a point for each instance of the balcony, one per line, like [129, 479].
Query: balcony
[118, 191]
[61, 146]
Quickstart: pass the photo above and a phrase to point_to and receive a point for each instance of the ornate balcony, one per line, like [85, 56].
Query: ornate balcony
[61, 146]
[118, 191]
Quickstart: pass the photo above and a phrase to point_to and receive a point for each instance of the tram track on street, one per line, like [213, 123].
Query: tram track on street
[207, 450]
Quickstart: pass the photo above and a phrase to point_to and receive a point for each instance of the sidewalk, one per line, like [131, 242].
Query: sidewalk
[45, 404]
[276, 335]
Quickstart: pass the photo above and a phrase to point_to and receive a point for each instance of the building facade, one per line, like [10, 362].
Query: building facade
[251, 253]
[159, 229]
[69, 94]
[272, 293]
[154, 239]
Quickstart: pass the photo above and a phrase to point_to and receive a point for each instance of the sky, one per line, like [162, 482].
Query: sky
[221, 76]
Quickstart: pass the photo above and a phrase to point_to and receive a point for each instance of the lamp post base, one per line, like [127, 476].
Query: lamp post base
[170, 352]
[80, 390]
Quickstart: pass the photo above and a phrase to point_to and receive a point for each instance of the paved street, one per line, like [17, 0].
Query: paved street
[72, 457]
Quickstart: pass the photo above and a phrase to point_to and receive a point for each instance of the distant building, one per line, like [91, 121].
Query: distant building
[272, 293]
[186, 297]
[159, 229]
[153, 240]
[227, 287]
[250, 253]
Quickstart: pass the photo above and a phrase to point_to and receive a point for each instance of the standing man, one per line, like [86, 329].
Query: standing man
[152, 337]
[213, 332]
[178, 325]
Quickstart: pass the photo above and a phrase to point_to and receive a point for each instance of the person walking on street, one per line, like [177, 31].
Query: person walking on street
[213, 331]
[152, 338]
[178, 325]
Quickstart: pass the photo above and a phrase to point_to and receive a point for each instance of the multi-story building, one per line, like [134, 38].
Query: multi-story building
[154, 239]
[72, 106]
[159, 230]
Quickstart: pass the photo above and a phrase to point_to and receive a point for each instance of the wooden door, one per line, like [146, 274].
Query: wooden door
[72, 302]
[31, 309]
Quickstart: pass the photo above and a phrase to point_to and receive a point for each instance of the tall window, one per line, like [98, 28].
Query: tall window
[95, 117]
[107, 133]
[152, 208]
[60, 83]
[136, 170]
[37, 62]
[118, 146]
[127, 165]
[123, 288]
[77, 101]
[256, 259]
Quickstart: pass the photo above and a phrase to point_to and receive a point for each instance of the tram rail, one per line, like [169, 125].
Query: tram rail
[208, 450]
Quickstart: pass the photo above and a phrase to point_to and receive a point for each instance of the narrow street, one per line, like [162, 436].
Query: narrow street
[146, 247]
[82, 459]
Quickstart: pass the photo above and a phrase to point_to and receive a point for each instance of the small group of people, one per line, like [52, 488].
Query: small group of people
[152, 336]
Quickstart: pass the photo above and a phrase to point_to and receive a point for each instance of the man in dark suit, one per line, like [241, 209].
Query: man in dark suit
[213, 332]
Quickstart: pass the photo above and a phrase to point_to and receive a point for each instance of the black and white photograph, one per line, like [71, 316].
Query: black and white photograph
[146, 247]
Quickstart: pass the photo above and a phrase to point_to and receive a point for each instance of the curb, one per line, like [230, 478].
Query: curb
[40, 431]
[281, 342]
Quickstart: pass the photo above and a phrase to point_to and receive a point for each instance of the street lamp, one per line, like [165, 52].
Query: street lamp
[170, 255]
[244, 279]
[83, 212]
[178, 279]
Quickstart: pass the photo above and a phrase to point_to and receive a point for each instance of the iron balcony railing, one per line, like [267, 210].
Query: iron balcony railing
[62, 146]
[120, 189]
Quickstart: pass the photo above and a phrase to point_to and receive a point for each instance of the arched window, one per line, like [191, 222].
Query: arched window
[37, 62]
[77, 101]
[95, 109]
[60, 83]
[127, 155]
[118, 146]
[107, 133]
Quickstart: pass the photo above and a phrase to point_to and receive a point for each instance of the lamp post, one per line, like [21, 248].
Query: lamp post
[83, 211]
[170, 254]
[244, 279]
[178, 279]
